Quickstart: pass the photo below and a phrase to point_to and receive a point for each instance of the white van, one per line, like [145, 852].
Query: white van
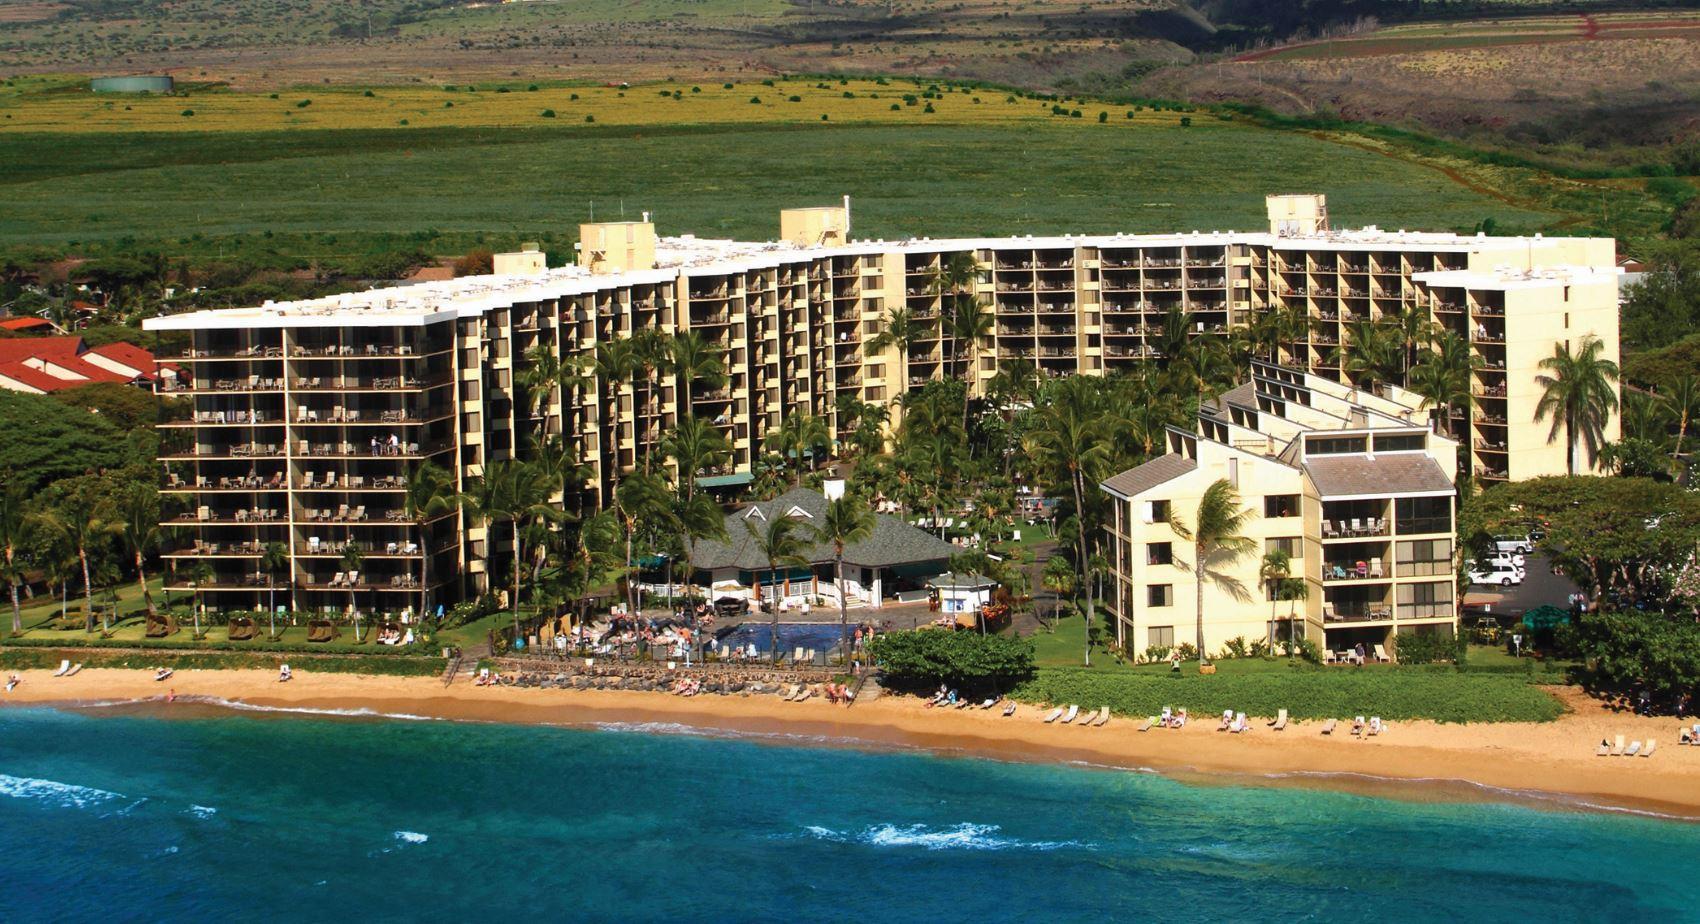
[1496, 573]
[1519, 545]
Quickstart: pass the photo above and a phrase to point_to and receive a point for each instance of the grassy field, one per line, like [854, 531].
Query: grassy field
[262, 178]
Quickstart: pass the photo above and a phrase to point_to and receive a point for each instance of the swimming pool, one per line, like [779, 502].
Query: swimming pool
[792, 635]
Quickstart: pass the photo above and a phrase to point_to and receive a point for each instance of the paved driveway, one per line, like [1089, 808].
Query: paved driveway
[1540, 586]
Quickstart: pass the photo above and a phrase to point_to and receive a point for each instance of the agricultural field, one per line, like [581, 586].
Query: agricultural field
[272, 181]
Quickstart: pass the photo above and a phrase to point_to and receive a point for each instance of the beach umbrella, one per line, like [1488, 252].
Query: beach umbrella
[1545, 616]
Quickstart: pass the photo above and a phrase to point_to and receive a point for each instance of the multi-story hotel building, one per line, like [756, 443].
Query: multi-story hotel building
[308, 414]
[1354, 486]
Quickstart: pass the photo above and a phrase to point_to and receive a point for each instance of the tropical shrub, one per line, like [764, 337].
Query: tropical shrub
[1621, 652]
[1424, 649]
[927, 657]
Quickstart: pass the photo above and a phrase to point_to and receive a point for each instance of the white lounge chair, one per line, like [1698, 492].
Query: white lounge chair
[1328, 726]
[1280, 723]
[1603, 750]
[1633, 749]
[1053, 715]
[1381, 655]
[1617, 749]
[1240, 724]
[1073, 712]
[74, 669]
[1651, 744]
[1009, 710]
[1103, 717]
[64, 667]
[1150, 722]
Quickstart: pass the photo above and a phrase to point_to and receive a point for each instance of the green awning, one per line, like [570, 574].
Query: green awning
[734, 480]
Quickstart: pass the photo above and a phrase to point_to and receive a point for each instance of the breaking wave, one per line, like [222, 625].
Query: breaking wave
[965, 836]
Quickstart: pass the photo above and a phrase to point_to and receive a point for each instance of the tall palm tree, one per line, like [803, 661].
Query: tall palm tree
[1217, 537]
[641, 499]
[14, 520]
[1684, 399]
[694, 445]
[901, 331]
[652, 351]
[352, 560]
[1067, 441]
[1646, 415]
[81, 519]
[138, 527]
[846, 522]
[1372, 355]
[1276, 568]
[613, 366]
[696, 360]
[780, 543]
[275, 558]
[541, 378]
[509, 492]
[1442, 379]
[1412, 328]
[1579, 393]
[430, 494]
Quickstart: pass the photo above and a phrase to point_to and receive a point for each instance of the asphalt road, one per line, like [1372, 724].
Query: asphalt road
[1538, 587]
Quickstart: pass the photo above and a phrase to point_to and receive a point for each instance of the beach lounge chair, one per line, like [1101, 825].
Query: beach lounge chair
[1633, 749]
[1651, 744]
[1071, 715]
[64, 668]
[1150, 723]
[1603, 750]
[1375, 725]
[1617, 749]
[989, 702]
[1009, 710]
[1240, 724]
[74, 669]
[1358, 726]
[791, 694]
[1381, 655]
[1103, 717]
[1280, 723]
[1053, 715]
[1328, 726]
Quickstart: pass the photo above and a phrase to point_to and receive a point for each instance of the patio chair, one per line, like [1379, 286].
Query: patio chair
[1651, 744]
[1357, 527]
[1375, 568]
[336, 581]
[1381, 655]
[1617, 748]
[1280, 723]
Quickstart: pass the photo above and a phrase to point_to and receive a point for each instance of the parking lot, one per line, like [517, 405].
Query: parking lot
[1540, 586]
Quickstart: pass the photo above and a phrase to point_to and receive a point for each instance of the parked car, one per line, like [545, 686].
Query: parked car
[1508, 560]
[1516, 544]
[1494, 573]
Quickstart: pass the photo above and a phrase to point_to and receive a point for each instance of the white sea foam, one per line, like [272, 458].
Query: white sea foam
[360, 712]
[201, 811]
[65, 795]
[411, 837]
[965, 836]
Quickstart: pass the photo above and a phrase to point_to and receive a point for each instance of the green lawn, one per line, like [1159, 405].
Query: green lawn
[1494, 686]
[313, 193]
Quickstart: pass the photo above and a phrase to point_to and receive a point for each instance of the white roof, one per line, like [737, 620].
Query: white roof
[687, 255]
[1505, 278]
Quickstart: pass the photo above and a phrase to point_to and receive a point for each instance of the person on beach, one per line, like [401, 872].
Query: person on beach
[12, 682]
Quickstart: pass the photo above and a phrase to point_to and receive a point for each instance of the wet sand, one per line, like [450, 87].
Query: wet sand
[1546, 763]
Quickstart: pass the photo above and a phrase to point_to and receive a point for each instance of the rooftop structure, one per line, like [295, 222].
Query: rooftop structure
[1353, 486]
[454, 370]
[40, 365]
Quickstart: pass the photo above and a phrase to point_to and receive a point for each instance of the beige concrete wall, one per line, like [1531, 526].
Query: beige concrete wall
[616, 246]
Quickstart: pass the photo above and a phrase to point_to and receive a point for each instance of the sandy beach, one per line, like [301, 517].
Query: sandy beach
[1551, 763]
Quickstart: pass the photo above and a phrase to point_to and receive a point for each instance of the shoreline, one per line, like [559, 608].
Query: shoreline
[1547, 765]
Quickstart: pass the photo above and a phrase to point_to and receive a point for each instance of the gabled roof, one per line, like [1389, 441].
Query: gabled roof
[893, 543]
[1143, 478]
[58, 363]
[26, 323]
[127, 354]
[32, 379]
[1356, 476]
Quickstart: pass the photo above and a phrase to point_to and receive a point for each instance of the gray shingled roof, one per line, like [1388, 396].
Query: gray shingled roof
[1345, 476]
[1153, 473]
[893, 543]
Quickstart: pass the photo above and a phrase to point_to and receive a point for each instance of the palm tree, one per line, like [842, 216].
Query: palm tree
[430, 494]
[847, 521]
[1579, 393]
[696, 360]
[1646, 415]
[1067, 440]
[541, 378]
[1276, 568]
[797, 436]
[14, 519]
[694, 445]
[641, 498]
[1293, 590]
[509, 491]
[651, 352]
[900, 331]
[81, 519]
[954, 280]
[1217, 538]
[352, 558]
[138, 528]
[615, 361]
[1442, 379]
[275, 558]
[1684, 400]
[1372, 355]
[781, 544]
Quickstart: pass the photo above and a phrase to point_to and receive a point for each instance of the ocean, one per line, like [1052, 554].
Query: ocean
[238, 817]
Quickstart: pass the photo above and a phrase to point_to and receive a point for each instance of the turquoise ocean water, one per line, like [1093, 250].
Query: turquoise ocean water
[233, 817]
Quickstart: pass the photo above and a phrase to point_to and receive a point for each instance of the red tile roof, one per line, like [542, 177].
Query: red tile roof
[22, 324]
[21, 357]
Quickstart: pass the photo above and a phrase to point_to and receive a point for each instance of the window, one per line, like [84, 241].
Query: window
[1419, 600]
[1424, 556]
[1160, 595]
[1335, 445]
[1294, 546]
[1160, 553]
[1160, 636]
[1399, 442]
[1280, 505]
[1157, 511]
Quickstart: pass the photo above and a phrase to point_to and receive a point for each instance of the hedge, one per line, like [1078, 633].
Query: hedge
[22, 659]
[1439, 693]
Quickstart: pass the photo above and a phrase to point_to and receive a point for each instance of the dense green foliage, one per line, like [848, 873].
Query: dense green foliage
[1425, 649]
[1658, 367]
[1665, 307]
[1622, 652]
[967, 660]
[1305, 691]
[46, 440]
